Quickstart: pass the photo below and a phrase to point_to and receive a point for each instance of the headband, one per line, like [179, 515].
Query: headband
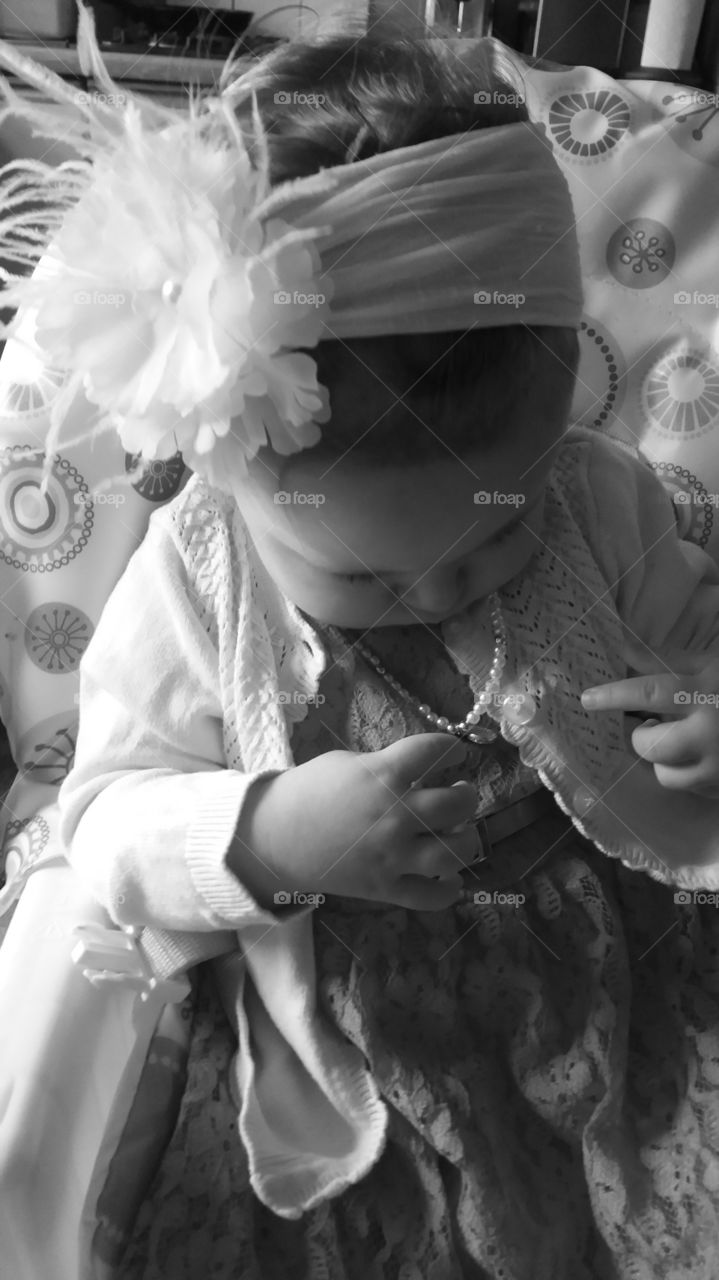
[180, 292]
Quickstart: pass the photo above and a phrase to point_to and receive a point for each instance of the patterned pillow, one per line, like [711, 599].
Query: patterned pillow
[60, 556]
[642, 162]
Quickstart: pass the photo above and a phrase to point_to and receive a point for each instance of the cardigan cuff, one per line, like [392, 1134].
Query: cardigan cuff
[208, 840]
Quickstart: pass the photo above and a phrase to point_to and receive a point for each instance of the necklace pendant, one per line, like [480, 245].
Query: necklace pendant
[487, 735]
[476, 735]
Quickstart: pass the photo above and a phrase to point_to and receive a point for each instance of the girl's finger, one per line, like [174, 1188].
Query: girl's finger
[441, 808]
[657, 694]
[446, 854]
[670, 743]
[700, 778]
[416, 758]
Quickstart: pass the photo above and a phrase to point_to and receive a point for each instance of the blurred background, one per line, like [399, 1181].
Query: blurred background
[540, 28]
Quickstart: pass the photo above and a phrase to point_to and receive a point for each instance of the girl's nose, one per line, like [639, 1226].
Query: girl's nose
[436, 592]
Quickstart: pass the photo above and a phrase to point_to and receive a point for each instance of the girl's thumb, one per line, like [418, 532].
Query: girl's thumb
[423, 754]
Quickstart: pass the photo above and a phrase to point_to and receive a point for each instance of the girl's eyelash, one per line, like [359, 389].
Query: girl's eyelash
[502, 537]
[496, 542]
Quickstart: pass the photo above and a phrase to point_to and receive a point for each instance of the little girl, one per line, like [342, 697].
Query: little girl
[332, 725]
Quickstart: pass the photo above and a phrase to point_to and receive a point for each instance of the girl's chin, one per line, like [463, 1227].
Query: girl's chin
[369, 622]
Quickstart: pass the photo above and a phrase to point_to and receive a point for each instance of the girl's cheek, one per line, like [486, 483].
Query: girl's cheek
[505, 564]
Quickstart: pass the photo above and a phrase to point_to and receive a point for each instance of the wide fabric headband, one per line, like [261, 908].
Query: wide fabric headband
[180, 292]
[473, 229]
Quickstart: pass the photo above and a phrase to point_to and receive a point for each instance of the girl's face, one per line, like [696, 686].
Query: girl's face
[364, 546]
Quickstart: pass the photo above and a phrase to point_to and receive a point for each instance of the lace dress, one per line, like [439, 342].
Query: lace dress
[550, 1064]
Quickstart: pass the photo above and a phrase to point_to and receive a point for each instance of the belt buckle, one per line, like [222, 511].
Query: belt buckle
[487, 849]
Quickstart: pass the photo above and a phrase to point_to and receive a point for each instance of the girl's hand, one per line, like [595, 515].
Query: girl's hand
[684, 747]
[358, 825]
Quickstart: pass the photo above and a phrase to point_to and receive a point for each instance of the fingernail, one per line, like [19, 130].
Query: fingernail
[649, 724]
[589, 697]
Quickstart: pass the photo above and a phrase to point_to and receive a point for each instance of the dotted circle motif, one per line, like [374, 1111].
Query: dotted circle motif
[39, 533]
[693, 504]
[641, 253]
[23, 844]
[590, 331]
[162, 479]
[47, 750]
[692, 117]
[680, 394]
[587, 126]
[56, 636]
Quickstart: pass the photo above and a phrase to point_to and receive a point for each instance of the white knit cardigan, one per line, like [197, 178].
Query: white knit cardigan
[189, 692]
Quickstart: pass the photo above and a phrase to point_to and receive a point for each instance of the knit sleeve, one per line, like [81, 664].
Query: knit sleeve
[149, 809]
[666, 590]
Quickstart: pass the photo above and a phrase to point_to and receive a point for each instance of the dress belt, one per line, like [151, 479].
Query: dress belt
[506, 822]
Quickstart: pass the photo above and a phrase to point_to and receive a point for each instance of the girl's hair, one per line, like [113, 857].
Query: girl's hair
[349, 97]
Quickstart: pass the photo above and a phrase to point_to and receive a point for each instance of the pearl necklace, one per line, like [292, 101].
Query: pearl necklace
[469, 727]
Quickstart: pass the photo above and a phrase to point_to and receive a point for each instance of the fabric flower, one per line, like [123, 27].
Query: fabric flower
[180, 310]
[164, 296]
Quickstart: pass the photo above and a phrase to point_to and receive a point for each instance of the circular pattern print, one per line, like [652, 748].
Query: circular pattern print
[599, 389]
[47, 750]
[56, 636]
[41, 532]
[693, 504]
[588, 125]
[162, 478]
[24, 842]
[25, 404]
[641, 253]
[679, 396]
